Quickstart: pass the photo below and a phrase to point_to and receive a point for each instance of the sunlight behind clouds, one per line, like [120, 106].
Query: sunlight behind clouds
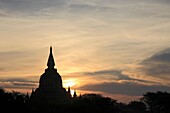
[98, 42]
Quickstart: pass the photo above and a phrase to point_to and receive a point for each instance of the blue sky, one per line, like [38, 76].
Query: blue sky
[104, 46]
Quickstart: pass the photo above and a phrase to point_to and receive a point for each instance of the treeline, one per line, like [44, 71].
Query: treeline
[151, 102]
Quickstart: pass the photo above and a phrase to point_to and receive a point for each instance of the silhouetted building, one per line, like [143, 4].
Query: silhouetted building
[75, 94]
[50, 85]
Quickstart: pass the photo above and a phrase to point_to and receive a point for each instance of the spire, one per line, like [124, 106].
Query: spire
[75, 94]
[69, 91]
[51, 62]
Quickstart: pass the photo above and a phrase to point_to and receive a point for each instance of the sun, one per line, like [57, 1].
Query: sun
[69, 83]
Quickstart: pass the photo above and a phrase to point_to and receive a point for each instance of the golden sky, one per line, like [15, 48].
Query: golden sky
[120, 48]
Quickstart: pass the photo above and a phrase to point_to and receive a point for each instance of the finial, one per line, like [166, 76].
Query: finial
[51, 62]
[51, 49]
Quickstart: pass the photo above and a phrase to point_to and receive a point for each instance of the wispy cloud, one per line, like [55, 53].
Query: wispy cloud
[111, 75]
[104, 42]
[104, 7]
[31, 7]
[126, 88]
[157, 65]
[24, 82]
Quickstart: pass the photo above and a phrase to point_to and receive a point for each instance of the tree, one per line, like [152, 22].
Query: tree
[137, 105]
[94, 103]
[158, 102]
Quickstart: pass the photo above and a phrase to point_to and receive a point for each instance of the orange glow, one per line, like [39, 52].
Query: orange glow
[72, 93]
[69, 83]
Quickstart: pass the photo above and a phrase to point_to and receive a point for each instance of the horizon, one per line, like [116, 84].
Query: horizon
[117, 48]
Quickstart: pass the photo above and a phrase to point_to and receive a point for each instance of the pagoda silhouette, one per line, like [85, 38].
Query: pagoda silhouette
[50, 85]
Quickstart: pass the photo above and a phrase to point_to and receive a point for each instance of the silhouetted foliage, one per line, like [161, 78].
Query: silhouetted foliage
[94, 103]
[12, 101]
[136, 107]
[158, 102]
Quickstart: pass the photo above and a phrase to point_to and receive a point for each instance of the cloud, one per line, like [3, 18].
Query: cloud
[116, 75]
[152, 74]
[127, 88]
[92, 36]
[104, 72]
[7, 55]
[17, 80]
[22, 5]
[22, 82]
[102, 7]
[13, 57]
[157, 65]
[2, 69]
[162, 56]
[30, 7]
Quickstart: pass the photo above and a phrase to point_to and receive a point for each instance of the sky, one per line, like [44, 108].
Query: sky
[117, 48]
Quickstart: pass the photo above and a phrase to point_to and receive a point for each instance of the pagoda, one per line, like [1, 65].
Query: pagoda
[50, 85]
